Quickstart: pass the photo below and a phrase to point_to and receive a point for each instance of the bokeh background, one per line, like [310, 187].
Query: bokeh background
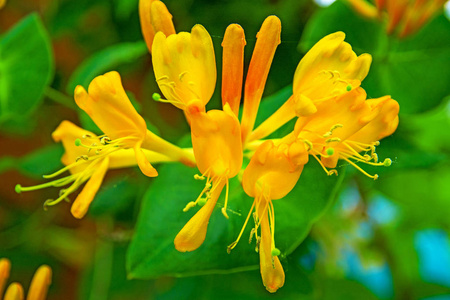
[387, 239]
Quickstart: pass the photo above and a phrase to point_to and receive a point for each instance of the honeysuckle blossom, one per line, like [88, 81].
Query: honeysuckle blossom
[38, 288]
[109, 107]
[271, 174]
[185, 70]
[86, 164]
[154, 16]
[404, 17]
[346, 125]
[329, 69]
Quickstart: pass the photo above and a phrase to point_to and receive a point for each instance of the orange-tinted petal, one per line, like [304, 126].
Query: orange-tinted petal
[40, 283]
[14, 292]
[233, 66]
[84, 199]
[364, 8]
[268, 39]
[154, 16]
[396, 10]
[193, 233]
[5, 267]
[272, 272]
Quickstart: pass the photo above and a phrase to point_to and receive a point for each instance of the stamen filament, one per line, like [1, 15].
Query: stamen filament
[224, 208]
[232, 245]
[374, 177]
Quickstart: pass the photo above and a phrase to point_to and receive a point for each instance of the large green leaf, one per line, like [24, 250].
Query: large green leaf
[411, 70]
[104, 61]
[152, 252]
[26, 67]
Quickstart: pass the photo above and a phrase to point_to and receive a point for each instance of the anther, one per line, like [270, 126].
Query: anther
[87, 136]
[275, 252]
[198, 177]
[336, 139]
[105, 140]
[18, 188]
[331, 172]
[84, 157]
[375, 157]
[387, 162]
[189, 206]
[375, 177]
[46, 204]
[77, 142]
[231, 247]
[309, 144]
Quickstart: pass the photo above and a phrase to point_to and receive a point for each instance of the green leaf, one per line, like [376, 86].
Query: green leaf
[104, 61]
[399, 66]
[152, 252]
[26, 67]
[45, 160]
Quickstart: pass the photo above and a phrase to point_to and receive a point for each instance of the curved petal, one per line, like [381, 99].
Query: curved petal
[193, 233]
[143, 163]
[5, 268]
[83, 201]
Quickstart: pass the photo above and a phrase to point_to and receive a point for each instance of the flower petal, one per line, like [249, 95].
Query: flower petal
[83, 201]
[272, 272]
[193, 233]
[143, 163]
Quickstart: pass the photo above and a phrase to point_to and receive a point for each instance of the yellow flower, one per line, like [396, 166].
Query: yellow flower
[345, 126]
[329, 69]
[216, 141]
[185, 66]
[38, 288]
[109, 107]
[86, 164]
[154, 17]
[404, 17]
[271, 174]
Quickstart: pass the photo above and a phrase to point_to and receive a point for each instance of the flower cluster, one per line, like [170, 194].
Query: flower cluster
[404, 17]
[334, 121]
